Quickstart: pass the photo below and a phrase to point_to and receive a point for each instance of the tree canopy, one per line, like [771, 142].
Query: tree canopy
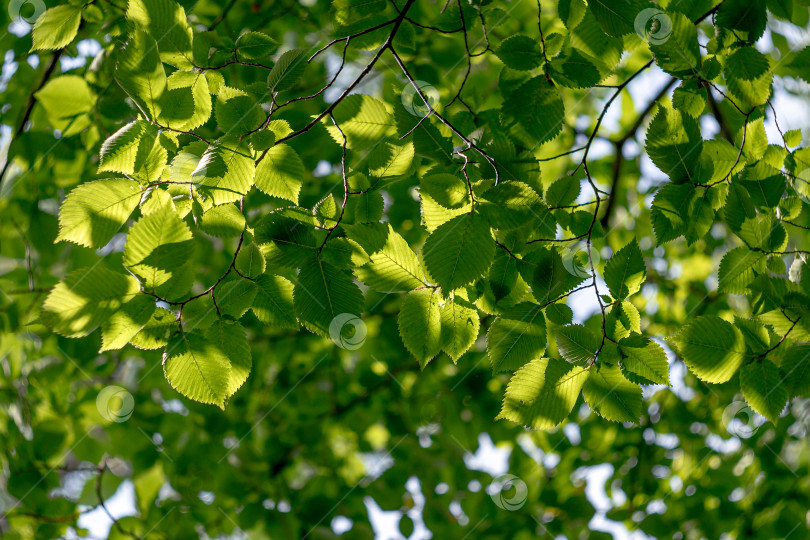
[405, 268]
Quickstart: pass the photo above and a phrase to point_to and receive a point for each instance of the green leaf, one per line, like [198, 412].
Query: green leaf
[141, 75]
[749, 76]
[701, 218]
[134, 150]
[288, 69]
[368, 204]
[717, 157]
[85, 299]
[155, 333]
[199, 314]
[516, 337]
[763, 231]
[691, 99]
[323, 292]
[289, 233]
[577, 344]
[166, 21]
[92, 213]
[712, 348]
[157, 248]
[739, 207]
[563, 192]
[674, 144]
[756, 140]
[793, 137]
[147, 486]
[198, 368]
[603, 51]
[738, 269]
[262, 140]
[67, 100]
[611, 395]
[798, 64]
[420, 324]
[622, 319]
[390, 159]
[763, 388]
[502, 281]
[428, 141]
[559, 313]
[225, 172]
[435, 215]
[520, 52]
[56, 27]
[545, 271]
[756, 335]
[574, 70]
[186, 104]
[237, 112]
[344, 253]
[459, 251]
[255, 46]
[250, 261]
[537, 107]
[645, 358]
[617, 18]
[625, 272]
[796, 367]
[764, 183]
[369, 207]
[124, 323]
[781, 323]
[327, 211]
[281, 173]
[512, 204]
[746, 16]
[459, 327]
[357, 8]
[231, 338]
[273, 304]
[670, 211]
[235, 297]
[679, 53]
[392, 265]
[364, 121]
[542, 393]
[223, 221]
[448, 190]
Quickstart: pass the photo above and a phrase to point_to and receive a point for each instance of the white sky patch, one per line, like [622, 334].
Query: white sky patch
[120, 505]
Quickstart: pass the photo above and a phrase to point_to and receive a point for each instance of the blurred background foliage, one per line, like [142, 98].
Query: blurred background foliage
[326, 443]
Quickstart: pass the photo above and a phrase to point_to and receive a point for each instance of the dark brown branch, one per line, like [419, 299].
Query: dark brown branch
[724, 129]
[617, 163]
[29, 108]
[387, 45]
[221, 16]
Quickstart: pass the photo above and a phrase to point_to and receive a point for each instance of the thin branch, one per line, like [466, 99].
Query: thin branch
[617, 163]
[29, 108]
[443, 120]
[387, 45]
[221, 16]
